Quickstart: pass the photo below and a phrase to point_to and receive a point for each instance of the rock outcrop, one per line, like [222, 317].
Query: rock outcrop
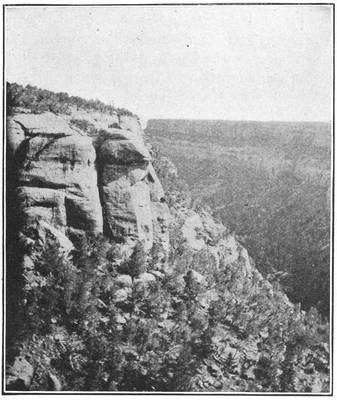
[174, 302]
[56, 180]
[19, 375]
[70, 182]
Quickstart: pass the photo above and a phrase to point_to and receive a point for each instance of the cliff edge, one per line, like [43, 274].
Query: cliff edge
[114, 285]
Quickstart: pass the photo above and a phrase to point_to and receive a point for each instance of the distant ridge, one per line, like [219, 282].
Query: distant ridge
[240, 120]
[273, 132]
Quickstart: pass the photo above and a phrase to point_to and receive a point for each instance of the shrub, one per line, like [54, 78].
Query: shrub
[41, 100]
[160, 338]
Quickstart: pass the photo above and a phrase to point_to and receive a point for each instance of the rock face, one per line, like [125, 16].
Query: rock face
[125, 176]
[63, 183]
[67, 182]
[56, 180]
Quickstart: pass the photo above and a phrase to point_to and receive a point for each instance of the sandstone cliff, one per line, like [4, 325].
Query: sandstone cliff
[166, 300]
[68, 183]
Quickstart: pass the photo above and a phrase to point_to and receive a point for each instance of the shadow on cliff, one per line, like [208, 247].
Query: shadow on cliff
[14, 257]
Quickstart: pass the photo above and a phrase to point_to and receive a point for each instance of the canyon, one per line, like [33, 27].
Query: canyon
[115, 283]
[269, 182]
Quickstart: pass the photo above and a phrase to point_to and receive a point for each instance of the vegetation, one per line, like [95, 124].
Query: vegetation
[279, 213]
[41, 100]
[94, 320]
[284, 223]
[159, 337]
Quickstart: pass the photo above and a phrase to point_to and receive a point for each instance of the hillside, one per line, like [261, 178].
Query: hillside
[303, 147]
[114, 283]
[270, 183]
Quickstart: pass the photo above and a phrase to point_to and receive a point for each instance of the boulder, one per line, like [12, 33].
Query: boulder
[194, 280]
[19, 375]
[27, 263]
[45, 124]
[119, 319]
[143, 281]
[191, 229]
[124, 152]
[47, 231]
[54, 382]
[119, 134]
[130, 123]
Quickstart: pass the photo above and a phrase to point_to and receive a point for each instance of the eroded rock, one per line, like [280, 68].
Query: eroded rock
[195, 281]
[19, 375]
[55, 170]
[123, 281]
[45, 124]
[129, 187]
[70, 184]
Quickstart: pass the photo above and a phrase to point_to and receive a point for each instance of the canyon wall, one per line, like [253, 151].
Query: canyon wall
[178, 304]
[66, 182]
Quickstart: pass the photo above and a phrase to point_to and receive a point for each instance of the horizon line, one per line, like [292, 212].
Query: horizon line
[240, 120]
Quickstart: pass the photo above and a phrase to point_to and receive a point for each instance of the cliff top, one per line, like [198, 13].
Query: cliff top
[41, 100]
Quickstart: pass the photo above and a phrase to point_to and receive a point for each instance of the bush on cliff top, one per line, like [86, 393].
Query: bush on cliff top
[40, 100]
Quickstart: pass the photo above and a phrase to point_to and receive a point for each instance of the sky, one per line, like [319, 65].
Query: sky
[207, 62]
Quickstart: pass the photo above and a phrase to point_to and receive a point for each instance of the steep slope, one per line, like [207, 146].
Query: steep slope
[109, 289]
[270, 183]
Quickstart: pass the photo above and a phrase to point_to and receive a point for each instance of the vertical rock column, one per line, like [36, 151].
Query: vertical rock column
[56, 177]
[123, 161]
